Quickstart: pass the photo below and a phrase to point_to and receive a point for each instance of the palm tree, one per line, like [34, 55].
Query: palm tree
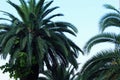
[35, 41]
[110, 19]
[103, 66]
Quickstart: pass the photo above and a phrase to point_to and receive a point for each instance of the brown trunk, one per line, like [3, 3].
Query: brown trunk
[33, 75]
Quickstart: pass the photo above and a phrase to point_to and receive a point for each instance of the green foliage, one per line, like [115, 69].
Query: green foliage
[19, 68]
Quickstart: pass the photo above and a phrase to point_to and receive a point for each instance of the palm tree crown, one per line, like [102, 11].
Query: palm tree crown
[35, 39]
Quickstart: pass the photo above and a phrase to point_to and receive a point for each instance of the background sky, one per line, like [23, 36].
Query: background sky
[84, 14]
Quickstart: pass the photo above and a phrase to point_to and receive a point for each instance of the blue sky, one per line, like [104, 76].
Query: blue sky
[84, 14]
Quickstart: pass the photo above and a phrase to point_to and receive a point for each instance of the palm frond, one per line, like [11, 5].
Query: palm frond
[39, 7]
[110, 19]
[19, 10]
[23, 43]
[47, 5]
[5, 19]
[64, 30]
[13, 56]
[108, 6]
[24, 7]
[73, 61]
[55, 15]
[9, 15]
[74, 46]
[5, 27]
[8, 46]
[61, 24]
[32, 5]
[40, 49]
[48, 11]
[104, 37]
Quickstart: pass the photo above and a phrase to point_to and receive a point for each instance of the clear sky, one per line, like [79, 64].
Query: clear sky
[84, 14]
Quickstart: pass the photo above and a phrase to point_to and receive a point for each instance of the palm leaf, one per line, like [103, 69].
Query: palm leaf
[6, 37]
[48, 11]
[110, 19]
[61, 24]
[8, 46]
[9, 15]
[5, 19]
[75, 47]
[32, 4]
[73, 61]
[64, 30]
[104, 37]
[13, 56]
[47, 5]
[38, 9]
[63, 49]
[111, 7]
[24, 7]
[5, 27]
[19, 10]
[23, 43]
[41, 51]
[54, 16]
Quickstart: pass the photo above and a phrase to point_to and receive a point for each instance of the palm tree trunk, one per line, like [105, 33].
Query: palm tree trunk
[34, 73]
